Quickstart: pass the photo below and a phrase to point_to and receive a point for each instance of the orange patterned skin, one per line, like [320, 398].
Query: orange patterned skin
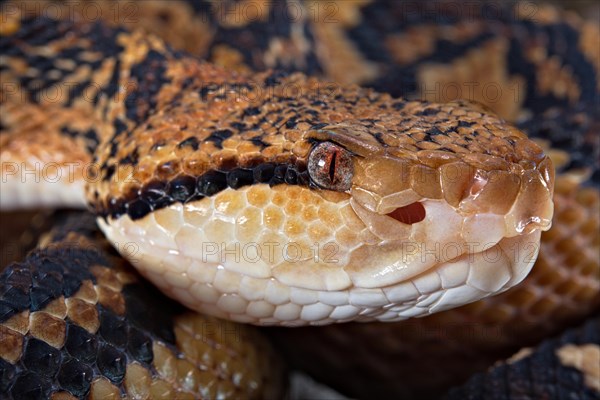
[545, 67]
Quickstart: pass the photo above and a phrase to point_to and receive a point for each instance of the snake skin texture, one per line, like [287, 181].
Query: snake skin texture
[564, 367]
[178, 151]
[77, 321]
[546, 61]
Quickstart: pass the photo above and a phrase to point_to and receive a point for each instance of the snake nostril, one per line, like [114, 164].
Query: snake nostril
[410, 214]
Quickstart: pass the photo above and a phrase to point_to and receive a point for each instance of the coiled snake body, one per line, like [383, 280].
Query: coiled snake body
[279, 199]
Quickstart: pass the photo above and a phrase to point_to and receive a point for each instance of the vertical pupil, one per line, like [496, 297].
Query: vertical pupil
[332, 166]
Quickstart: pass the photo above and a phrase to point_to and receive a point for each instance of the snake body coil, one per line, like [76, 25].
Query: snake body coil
[276, 198]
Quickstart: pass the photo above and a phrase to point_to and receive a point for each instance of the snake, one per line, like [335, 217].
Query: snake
[277, 198]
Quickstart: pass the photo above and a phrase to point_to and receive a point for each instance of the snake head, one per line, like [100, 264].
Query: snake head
[472, 195]
[312, 209]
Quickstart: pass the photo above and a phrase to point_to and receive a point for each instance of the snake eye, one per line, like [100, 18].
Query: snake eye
[330, 166]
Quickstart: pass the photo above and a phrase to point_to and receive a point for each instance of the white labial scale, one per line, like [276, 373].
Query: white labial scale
[371, 312]
[205, 293]
[388, 316]
[232, 303]
[277, 293]
[315, 312]
[260, 309]
[194, 244]
[185, 297]
[252, 288]
[523, 251]
[287, 312]
[428, 282]
[308, 274]
[226, 281]
[158, 235]
[178, 264]
[457, 296]
[402, 258]
[397, 308]
[454, 274]
[442, 227]
[178, 281]
[245, 291]
[367, 297]
[492, 270]
[412, 312]
[402, 292]
[345, 312]
[429, 300]
[482, 231]
[303, 296]
[334, 298]
[201, 272]
[244, 319]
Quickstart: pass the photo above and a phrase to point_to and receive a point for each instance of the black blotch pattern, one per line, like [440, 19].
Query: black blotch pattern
[8, 374]
[120, 340]
[150, 76]
[428, 111]
[29, 386]
[255, 37]
[239, 177]
[80, 343]
[43, 269]
[251, 111]
[131, 158]
[75, 377]
[184, 188]
[217, 137]
[181, 188]
[259, 142]
[263, 173]
[275, 78]
[113, 329]
[537, 376]
[191, 142]
[111, 363]
[41, 30]
[140, 345]
[41, 358]
[211, 183]
[137, 208]
[572, 130]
